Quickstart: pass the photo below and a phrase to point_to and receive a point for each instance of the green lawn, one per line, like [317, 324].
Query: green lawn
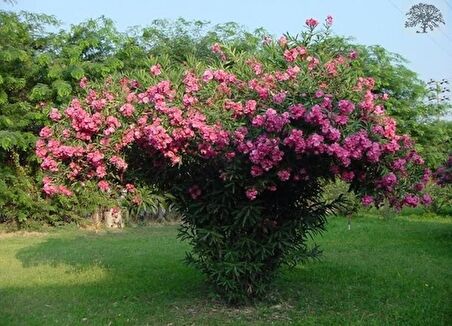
[381, 272]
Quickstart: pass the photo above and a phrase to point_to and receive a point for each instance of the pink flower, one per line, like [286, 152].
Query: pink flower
[103, 186]
[272, 188]
[258, 121]
[191, 82]
[256, 171]
[101, 171]
[49, 164]
[291, 55]
[312, 62]
[292, 72]
[112, 124]
[411, 200]
[207, 75]
[251, 193]
[282, 41]
[230, 155]
[353, 55]
[46, 132]
[315, 143]
[130, 188]
[127, 110]
[255, 65]
[388, 181]
[283, 175]
[49, 187]
[155, 70]
[329, 20]
[250, 107]
[348, 176]
[311, 22]
[426, 199]
[267, 40]
[295, 140]
[367, 200]
[194, 191]
[279, 97]
[272, 121]
[64, 191]
[419, 186]
[296, 111]
[66, 133]
[95, 157]
[341, 119]
[346, 107]
[54, 114]
[118, 162]
[83, 82]
[216, 48]
[189, 100]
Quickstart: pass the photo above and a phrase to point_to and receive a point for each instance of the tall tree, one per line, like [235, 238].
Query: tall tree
[425, 16]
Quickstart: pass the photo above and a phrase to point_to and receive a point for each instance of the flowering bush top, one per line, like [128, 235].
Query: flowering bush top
[292, 114]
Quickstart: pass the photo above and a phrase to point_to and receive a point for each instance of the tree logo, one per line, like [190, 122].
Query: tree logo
[425, 16]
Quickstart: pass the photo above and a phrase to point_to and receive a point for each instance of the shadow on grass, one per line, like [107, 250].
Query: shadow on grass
[130, 260]
[146, 281]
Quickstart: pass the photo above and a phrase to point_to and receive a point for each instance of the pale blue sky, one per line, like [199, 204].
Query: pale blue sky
[368, 21]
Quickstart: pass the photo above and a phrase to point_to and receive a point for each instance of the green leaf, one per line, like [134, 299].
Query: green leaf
[40, 92]
[77, 73]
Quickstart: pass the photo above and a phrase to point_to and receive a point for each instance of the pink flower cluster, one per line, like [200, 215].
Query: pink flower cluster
[311, 22]
[292, 54]
[216, 48]
[264, 152]
[156, 70]
[194, 191]
[51, 189]
[271, 121]
[239, 109]
[84, 123]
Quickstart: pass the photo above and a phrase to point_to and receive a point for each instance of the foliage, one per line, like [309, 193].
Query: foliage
[350, 201]
[152, 205]
[441, 199]
[182, 39]
[20, 115]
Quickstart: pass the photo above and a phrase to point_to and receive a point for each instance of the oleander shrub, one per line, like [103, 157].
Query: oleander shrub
[246, 143]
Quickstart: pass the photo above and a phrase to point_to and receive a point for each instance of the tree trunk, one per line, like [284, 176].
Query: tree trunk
[96, 218]
[111, 217]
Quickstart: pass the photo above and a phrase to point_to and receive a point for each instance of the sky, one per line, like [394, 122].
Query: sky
[369, 22]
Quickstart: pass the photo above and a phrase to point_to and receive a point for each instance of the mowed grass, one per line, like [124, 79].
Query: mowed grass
[394, 271]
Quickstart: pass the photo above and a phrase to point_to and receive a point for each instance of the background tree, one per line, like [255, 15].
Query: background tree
[425, 16]
[439, 92]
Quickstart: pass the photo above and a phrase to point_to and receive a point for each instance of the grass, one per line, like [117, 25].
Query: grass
[382, 272]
